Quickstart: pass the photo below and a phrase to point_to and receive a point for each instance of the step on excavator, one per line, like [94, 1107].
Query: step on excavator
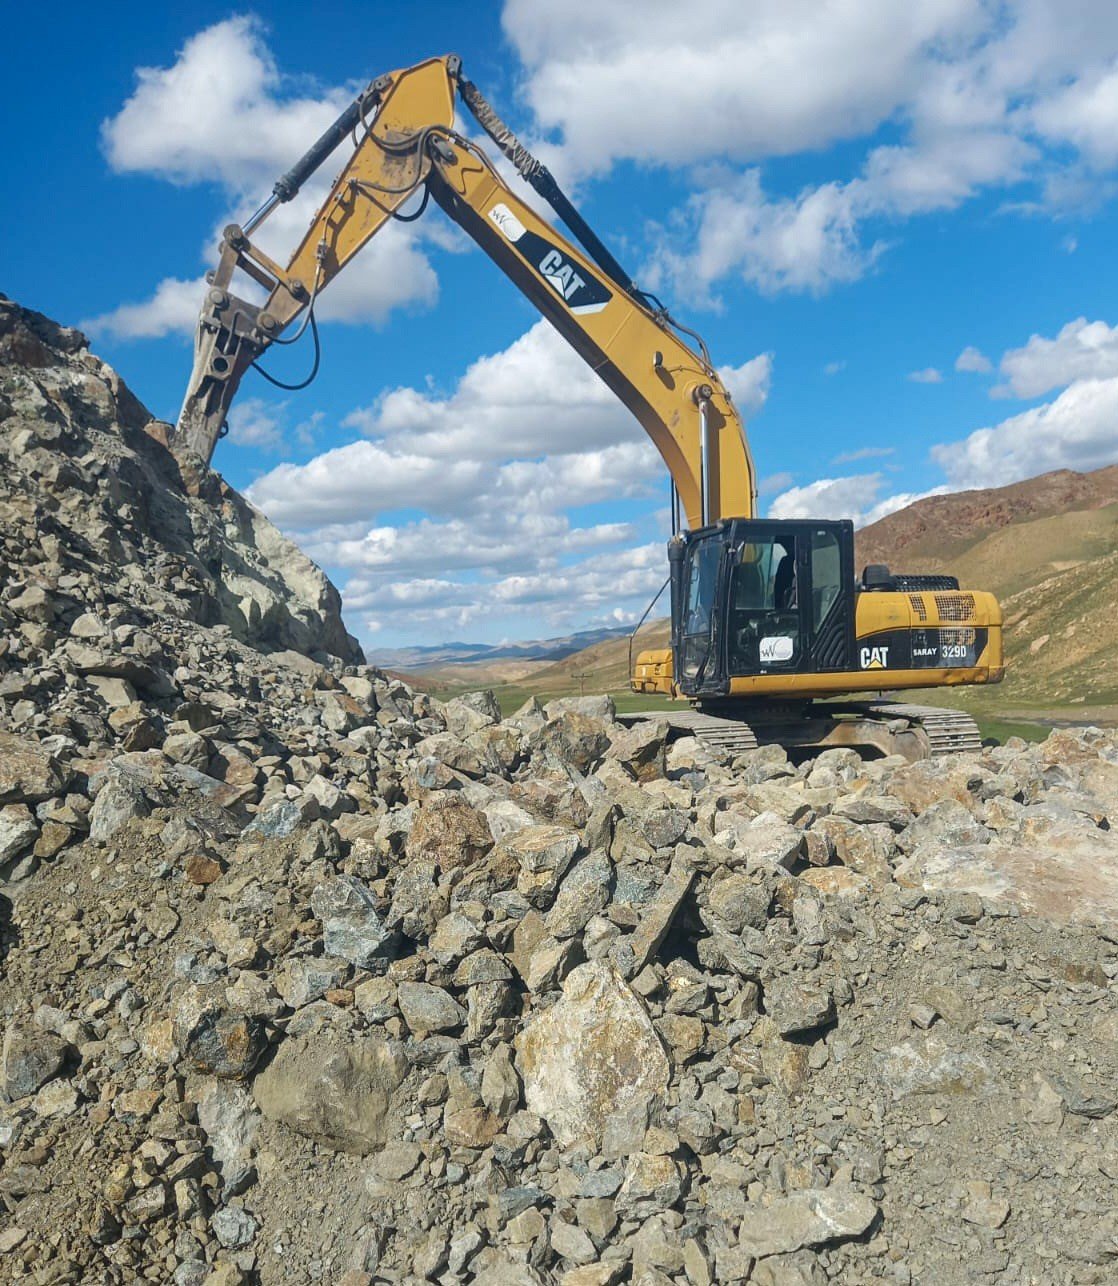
[773, 636]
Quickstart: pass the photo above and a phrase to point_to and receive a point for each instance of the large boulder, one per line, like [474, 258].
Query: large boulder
[334, 1089]
[591, 1057]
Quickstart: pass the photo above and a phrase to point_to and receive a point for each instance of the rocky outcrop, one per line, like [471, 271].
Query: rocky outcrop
[98, 517]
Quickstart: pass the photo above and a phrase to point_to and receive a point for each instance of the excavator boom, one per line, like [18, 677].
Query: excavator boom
[409, 145]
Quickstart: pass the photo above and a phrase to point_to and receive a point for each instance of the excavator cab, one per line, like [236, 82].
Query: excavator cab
[756, 598]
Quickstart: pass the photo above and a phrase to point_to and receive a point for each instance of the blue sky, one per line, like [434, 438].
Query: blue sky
[894, 224]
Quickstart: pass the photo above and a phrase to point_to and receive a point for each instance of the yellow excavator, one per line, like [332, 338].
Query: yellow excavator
[768, 618]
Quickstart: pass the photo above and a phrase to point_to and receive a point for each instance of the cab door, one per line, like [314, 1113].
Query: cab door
[699, 663]
[789, 598]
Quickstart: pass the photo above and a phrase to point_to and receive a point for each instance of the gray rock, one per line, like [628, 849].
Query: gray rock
[213, 1038]
[427, 1008]
[301, 980]
[18, 831]
[279, 821]
[352, 929]
[796, 1006]
[119, 801]
[233, 1227]
[812, 1218]
[28, 772]
[651, 1184]
[500, 1085]
[334, 1089]
[29, 1059]
[584, 892]
[229, 1117]
[928, 1065]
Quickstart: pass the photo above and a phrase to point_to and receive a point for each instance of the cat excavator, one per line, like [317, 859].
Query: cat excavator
[769, 622]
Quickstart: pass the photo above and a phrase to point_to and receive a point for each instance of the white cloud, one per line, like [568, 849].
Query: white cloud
[833, 368]
[501, 465]
[172, 309]
[223, 112]
[804, 243]
[255, 423]
[973, 360]
[749, 383]
[534, 397]
[929, 375]
[1081, 350]
[1084, 114]
[361, 480]
[775, 482]
[612, 587]
[979, 96]
[219, 112]
[714, 78]
[857, 497]
[1076, 431]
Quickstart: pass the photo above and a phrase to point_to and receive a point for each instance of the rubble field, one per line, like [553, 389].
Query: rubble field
[308, 977]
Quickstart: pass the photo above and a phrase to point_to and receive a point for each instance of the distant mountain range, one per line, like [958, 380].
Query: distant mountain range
[418, 659]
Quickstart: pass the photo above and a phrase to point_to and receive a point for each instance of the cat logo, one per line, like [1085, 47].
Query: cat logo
[561, 274]
[875, 658]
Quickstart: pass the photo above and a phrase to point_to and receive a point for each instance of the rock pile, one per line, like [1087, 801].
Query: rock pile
[307, 977]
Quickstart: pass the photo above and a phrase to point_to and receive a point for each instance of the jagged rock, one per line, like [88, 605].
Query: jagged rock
[337, 1091]
[227, 1114]
[351, 927]
[18, 831]
[119, 801]
[448, 831]
[28, 773]
[213, 1038]
[811, 1218]
[591, 1056]
[642, 750]
[796, 1007]
[427, 1008]
[29, 1059]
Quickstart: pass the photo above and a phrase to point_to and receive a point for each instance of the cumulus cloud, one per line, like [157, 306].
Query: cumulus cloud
[1075, 431]
[804, 243]
[501, 465]
[775, 77]
[980, 97]
[255, 423]
[973, 360]
[1081, 350]
[172, 309]
[224, 113]
[929, 375]
[857, 497]
[612, 588]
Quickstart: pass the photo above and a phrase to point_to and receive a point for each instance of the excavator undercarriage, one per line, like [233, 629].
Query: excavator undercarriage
[878, 727]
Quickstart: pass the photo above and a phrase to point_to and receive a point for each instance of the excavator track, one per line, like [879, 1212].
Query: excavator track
[950, 732]
[892, 727]
[728, 736]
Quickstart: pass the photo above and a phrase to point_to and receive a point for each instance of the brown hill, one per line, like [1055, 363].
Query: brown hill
[928, 534]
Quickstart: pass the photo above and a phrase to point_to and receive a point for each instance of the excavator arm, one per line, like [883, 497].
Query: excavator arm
[407, 145]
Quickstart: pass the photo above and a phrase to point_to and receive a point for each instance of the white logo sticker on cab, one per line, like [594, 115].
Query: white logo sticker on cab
[777, 648]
